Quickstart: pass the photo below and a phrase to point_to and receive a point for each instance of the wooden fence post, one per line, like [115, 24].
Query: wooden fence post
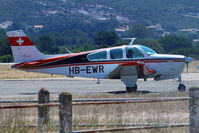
[194, 110]
[65, 113]
[43, 112]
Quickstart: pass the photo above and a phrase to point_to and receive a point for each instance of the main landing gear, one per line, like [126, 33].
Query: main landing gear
[131, 89]
[181, 86]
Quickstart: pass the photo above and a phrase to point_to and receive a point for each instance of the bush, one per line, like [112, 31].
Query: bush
[6, 58]
[153, 44]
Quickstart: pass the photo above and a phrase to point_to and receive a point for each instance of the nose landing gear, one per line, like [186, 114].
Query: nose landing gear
[181, 86]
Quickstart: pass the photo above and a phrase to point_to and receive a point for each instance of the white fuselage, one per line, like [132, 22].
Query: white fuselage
[164, 69]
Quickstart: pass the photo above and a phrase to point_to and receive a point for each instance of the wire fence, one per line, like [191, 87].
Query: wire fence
[92, 102]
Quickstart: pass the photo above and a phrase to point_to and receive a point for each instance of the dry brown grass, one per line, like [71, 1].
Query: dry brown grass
[121, 114]
[8, 73]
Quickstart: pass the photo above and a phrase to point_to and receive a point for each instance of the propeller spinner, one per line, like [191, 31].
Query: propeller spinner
[187, 61]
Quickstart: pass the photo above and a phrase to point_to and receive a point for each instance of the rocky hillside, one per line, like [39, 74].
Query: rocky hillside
[91, 16]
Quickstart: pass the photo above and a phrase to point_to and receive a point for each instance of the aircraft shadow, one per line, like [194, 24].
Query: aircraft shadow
[111, 92]
[28, 93]
[124, 92]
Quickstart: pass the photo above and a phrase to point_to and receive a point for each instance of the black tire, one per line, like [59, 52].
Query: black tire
[131, 89]
[128, 89]
[182, 88]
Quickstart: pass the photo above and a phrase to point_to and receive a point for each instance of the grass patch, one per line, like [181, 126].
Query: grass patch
[8, 73]
[89, 116]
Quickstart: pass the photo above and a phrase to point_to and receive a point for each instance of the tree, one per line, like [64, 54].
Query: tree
[47, 45]
[5, 50]
[173, 42]
[153, 44]
[5, 47]
[192, 36]
[191, 52]
[105, 38]
[2, 33]
[138, 31]
[82, 47]
[6, 58]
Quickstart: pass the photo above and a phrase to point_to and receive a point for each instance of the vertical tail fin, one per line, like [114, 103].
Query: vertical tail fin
[22, 48]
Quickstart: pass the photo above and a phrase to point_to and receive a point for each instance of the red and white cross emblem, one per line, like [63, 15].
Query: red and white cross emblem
[20, 41]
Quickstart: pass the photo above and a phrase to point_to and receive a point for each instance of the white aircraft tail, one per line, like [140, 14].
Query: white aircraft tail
[22, 48]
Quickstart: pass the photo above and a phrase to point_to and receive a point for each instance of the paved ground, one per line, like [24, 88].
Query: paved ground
[30, 87]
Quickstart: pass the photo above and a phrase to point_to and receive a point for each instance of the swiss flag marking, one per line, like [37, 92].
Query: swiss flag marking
[20, 41]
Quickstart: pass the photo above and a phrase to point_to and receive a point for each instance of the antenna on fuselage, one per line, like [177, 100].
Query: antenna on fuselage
[132, 40]
[68, 51]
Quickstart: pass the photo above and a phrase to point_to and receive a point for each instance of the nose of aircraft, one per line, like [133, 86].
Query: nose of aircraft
[187, 61]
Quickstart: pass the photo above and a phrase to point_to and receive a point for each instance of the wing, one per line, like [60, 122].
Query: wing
[138, 69]
[130, 72]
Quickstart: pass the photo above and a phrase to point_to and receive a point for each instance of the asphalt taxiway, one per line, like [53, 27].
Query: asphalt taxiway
[77, 86]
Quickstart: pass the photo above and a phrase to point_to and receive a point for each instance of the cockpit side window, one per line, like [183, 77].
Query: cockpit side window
[133, 53]
[116, 53]
[98, 56]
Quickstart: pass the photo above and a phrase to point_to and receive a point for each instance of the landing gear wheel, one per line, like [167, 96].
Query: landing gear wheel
[181, 87]
[131, 89]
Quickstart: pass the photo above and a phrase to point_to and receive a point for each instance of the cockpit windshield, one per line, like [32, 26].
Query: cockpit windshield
[148, 50]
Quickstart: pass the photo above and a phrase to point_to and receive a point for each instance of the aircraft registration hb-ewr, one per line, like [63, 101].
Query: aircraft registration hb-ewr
[127, 62]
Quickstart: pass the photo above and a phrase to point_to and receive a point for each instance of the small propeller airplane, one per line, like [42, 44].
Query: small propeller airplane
[128, 62]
